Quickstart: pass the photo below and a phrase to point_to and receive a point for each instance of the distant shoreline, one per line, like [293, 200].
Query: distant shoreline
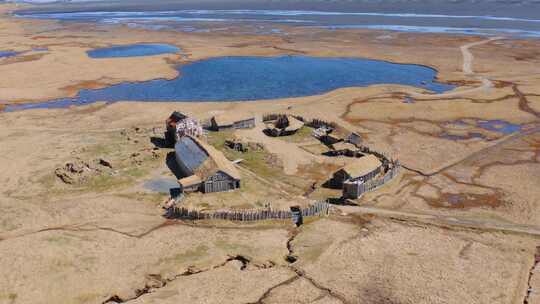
[190, 18]
[523, 9]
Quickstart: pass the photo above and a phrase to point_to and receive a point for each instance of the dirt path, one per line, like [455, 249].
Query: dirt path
[277, 185]
[464, 223]
[468, 56]
[468, 70]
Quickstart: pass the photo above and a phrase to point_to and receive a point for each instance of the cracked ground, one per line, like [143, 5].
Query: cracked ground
[459, 225]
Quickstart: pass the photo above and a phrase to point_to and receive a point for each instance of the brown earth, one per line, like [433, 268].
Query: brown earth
[459, 225]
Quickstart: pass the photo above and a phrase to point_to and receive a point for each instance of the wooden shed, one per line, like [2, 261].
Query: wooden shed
[284, 125]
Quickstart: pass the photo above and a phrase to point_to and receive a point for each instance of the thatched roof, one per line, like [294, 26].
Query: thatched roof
[177, 116]
[294, 124]
[362, 166]
[190, 181]
[285, 122]
[342, 145]
[220, 162]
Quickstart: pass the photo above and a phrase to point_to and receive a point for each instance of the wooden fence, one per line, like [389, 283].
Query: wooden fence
[313, 123]
[318, 123]
[317, 209]
[356, 189]
[272, 116]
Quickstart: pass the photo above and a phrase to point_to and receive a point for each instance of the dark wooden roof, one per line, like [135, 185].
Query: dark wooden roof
[177, 116]
[190, 153]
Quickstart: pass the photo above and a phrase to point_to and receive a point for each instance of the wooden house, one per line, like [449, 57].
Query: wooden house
[179, 125]
[205, 168]
[170, 125]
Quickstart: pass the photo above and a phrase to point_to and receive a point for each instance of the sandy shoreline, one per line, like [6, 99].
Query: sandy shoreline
[27, 81]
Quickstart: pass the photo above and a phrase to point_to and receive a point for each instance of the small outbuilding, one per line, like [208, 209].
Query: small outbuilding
[205, 168]
[297, 217]
[353, 189]
[284, 125]
[358, 169]
[179, 125]
[170, 125]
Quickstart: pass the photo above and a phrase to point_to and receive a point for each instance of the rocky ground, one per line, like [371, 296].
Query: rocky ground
[459, 225]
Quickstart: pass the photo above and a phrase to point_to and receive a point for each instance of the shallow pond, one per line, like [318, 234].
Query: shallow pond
[161, 185]
[467, 136]
[500, 126]
[133, 50]
[4, 54]
[256, 78]
[496, 125]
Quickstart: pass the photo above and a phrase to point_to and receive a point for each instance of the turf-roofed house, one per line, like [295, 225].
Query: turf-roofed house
[204, 168]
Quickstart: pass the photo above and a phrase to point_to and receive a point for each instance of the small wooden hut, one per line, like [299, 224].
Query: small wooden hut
[283, 125]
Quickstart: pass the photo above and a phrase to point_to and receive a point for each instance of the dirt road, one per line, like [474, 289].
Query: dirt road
[468, 70]
[454, 221]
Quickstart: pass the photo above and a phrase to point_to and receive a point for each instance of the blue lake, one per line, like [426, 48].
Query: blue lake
[256, 78]
[133, 50]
